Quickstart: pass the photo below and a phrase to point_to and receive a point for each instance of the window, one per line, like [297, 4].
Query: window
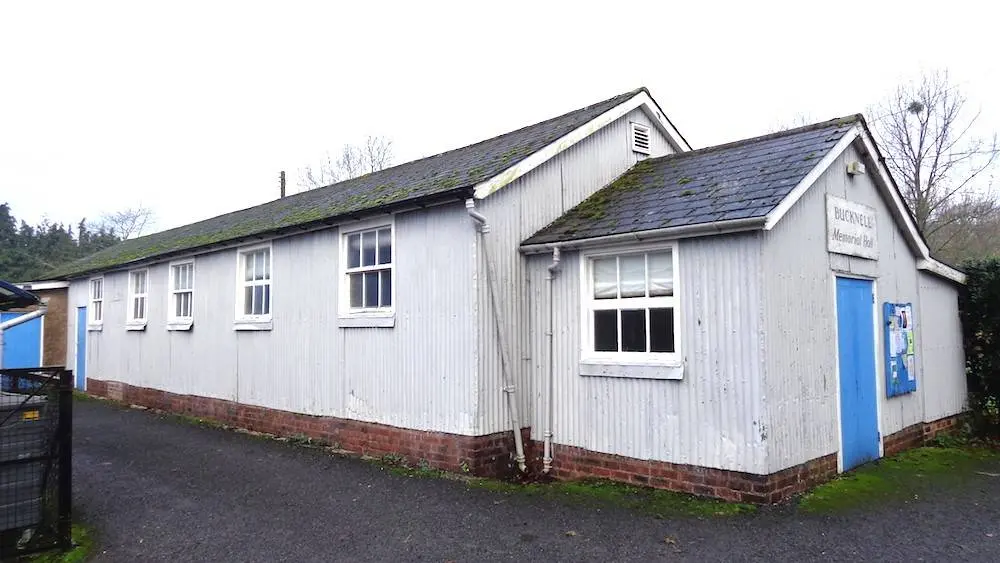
[96, 301]
[641, 142]
[367, 285]
[253, 302]
[631, 309]
[369, 269]
[180, 305]
[137, 297]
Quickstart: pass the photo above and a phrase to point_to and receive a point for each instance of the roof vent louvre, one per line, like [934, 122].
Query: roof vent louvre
[640, 138]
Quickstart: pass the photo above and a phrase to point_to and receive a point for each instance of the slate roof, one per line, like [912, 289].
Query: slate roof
[451, 173]
[744, 179]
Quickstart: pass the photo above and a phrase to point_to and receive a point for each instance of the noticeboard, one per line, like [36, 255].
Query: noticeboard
[900, 356]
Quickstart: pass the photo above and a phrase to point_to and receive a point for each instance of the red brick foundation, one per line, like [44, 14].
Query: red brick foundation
[485, 456]
[577, 463]
[492, 455]
[920, 434]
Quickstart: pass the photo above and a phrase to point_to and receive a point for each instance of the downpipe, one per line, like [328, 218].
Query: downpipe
[508, 381]
[550, 333]
[16, 321]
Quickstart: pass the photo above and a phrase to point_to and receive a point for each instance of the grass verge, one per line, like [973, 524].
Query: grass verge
[83, 544]
[601, 493]
[903, 477]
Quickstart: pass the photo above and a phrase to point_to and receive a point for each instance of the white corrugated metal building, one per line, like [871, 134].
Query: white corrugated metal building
[639, 310]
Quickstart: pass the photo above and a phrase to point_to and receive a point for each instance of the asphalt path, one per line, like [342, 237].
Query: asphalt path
[156, 488]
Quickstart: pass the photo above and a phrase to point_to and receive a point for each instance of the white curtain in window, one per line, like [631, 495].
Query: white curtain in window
[632, 270]
[605, 278]
[661, 274]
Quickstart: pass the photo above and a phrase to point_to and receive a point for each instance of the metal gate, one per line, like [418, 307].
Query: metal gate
[36, 419]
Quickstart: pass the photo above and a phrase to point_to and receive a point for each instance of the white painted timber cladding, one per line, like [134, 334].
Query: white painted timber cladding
[712, 417]
[419, 374]
[516, 212]
[800, 381]
[944, 357]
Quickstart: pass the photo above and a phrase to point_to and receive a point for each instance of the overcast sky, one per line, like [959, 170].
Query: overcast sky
[193, 108]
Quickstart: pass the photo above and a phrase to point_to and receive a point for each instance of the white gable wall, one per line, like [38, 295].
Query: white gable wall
[514, 213]
[801, 386]
[418, 374]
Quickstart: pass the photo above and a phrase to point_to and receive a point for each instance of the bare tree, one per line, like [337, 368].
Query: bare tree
[925, 131]
[797, 119]
[128, 223]
[377, 153]
[325, 174]
[354, 161]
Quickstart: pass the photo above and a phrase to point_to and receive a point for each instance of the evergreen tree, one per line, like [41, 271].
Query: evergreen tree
[28, 252]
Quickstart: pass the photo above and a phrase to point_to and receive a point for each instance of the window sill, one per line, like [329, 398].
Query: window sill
[632, 370]
[367, 321]
[95, 328]
[135, 326]
[252, 325]
[179, 325]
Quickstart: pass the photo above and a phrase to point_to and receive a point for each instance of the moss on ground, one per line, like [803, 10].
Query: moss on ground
[83, 544]
[600, 493]
[903, 477]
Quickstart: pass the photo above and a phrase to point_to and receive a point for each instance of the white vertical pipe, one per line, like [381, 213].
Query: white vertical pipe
[508, 380]
[550, 333]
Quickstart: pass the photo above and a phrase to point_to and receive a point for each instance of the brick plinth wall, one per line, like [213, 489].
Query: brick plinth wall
[492, 455]
[486, 456]
[920, 434]
[577, 463]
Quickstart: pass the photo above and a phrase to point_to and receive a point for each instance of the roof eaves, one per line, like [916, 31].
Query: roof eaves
[678, 232]
[454, 195]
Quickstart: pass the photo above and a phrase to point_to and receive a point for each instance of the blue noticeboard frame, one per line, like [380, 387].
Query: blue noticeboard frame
[900, 349]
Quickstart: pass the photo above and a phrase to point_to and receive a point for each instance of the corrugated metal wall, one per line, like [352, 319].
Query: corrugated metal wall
[713, 416]
[943, 354]
[800, 379]
[516, 212]
[419, 374]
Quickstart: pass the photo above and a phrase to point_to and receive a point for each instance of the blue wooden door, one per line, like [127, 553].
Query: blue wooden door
[856, 349]
[81, 348]
[22, 344]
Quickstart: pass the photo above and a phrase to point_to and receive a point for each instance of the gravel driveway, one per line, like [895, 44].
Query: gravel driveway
[158, 489]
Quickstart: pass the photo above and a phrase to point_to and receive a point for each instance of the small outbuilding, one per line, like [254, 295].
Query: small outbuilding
[585, 296]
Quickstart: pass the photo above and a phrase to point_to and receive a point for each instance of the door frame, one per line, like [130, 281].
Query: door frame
[876, 327]
[76, 347]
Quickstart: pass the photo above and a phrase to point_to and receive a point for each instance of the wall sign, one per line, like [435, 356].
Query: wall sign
[900, 375]
[850, 228]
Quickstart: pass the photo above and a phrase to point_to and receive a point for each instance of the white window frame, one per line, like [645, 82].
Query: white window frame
[94, 323]
[175, 322]
[384, 317]
[132, 322]
[643, 365]
[242, 320]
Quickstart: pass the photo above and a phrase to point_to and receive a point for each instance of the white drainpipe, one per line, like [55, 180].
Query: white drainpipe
[508, 380]
[549, 413]
[16, 321]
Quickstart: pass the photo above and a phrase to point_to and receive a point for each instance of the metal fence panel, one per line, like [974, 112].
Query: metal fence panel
[36, 419]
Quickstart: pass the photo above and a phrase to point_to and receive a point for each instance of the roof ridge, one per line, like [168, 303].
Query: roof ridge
[505, 133]
[852, 118]
[345, 183]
